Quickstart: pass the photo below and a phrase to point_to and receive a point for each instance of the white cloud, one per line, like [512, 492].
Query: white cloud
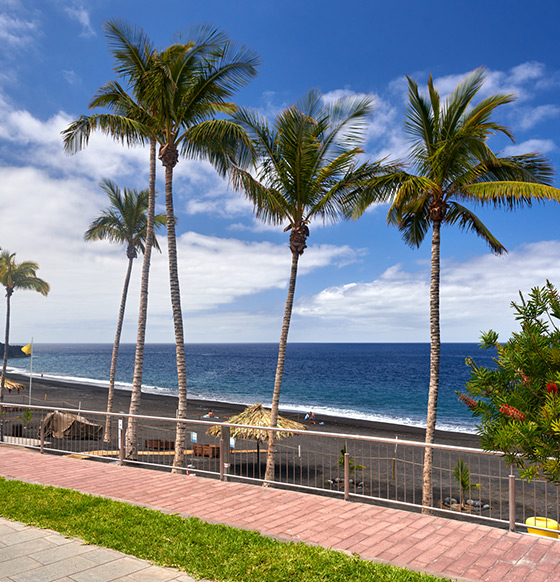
[49, 199]
[16, 32]
[475, 296]
[71, 77]
[529, 117]
[542, 146]
[81, 15]
[44, 221]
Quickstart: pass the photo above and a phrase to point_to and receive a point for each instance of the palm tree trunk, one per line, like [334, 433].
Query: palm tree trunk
[6, 343]
[181, 429]
[132, 427]
[271, 457]
[427, 484]
[110, 396]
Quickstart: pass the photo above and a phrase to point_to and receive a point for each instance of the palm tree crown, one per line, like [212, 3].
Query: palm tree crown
[14, 276]
[307, 164]
[125, 221]
[454, 164]
[22, 275]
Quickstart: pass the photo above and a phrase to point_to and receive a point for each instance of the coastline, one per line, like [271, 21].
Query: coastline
[47, 392]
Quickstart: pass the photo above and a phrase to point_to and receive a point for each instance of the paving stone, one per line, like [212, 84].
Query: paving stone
[51, 572]
[112, 571]
[59, 553]
[383, 533]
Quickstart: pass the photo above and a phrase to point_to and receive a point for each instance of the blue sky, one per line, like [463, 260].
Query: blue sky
[358, 281]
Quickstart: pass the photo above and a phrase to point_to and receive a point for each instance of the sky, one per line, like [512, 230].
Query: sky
[358, 281]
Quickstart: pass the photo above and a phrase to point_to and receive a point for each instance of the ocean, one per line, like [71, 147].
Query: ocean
[374, 381]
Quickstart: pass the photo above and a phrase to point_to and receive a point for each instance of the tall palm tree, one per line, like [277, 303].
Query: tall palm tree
[124, 222]
[454, 164]
[134, 56]
[189, 90]
[178, 95]
[16, 276]
[307, 164]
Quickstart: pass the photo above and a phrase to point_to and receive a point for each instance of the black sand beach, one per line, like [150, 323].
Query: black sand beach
[88, 397]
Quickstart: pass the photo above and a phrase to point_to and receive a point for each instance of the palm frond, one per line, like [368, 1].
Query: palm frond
[412, 221]
[128, 131]
[457, 103]
[419, 122]
[468, 221]
[511, 194]
[130, 46]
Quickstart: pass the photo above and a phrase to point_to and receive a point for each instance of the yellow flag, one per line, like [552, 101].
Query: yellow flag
[26, 349]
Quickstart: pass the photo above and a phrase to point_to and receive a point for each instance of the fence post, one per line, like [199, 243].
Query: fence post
[511, 501]
[224, 453]
[121, 441]
[346, 476]
[42, 437]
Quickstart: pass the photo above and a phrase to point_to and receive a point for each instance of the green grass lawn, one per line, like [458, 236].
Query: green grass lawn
[214, 552]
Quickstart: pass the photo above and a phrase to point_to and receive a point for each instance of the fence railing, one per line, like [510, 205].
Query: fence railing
[370, 469]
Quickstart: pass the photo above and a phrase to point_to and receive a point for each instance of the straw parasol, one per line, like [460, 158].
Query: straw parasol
[13, 385]
[253, 416]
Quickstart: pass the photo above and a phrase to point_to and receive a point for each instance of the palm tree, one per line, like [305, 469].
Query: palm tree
[134, 57]
[306, 165]
[189, 90]
[454, 165]
[125, 221]
[178, 95]
[16, 276]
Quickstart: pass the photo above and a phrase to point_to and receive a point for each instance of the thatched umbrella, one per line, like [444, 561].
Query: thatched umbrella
[253, 416]
[13, 385]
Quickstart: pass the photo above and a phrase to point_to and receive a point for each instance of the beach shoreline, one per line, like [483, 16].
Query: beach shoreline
[87, 396]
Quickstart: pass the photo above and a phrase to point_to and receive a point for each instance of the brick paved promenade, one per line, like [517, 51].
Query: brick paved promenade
[457, 550]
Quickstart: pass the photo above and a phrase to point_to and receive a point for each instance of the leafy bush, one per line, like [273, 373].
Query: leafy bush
[518, 402]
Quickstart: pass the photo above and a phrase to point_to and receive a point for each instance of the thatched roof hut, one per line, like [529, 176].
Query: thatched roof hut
[254, 416]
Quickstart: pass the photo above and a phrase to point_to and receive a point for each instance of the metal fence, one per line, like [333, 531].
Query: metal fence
[379, 470]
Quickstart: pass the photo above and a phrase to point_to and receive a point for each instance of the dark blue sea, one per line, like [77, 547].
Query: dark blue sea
[381, 382]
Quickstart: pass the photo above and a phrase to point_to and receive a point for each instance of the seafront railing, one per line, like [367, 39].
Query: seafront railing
[469, 484]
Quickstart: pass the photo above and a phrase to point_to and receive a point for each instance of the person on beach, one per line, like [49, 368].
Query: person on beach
[209, 415]
[310, 417]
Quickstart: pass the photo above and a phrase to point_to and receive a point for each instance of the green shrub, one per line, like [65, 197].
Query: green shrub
[518, 402]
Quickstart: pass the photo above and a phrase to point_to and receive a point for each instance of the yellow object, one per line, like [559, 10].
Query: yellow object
[550, 524]
[26, 349]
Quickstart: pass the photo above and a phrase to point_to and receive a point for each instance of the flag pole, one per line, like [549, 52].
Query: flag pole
[31, 371]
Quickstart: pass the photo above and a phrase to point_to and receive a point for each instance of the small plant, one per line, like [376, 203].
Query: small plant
[462, 474]
[25, 416]
[351, 463]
